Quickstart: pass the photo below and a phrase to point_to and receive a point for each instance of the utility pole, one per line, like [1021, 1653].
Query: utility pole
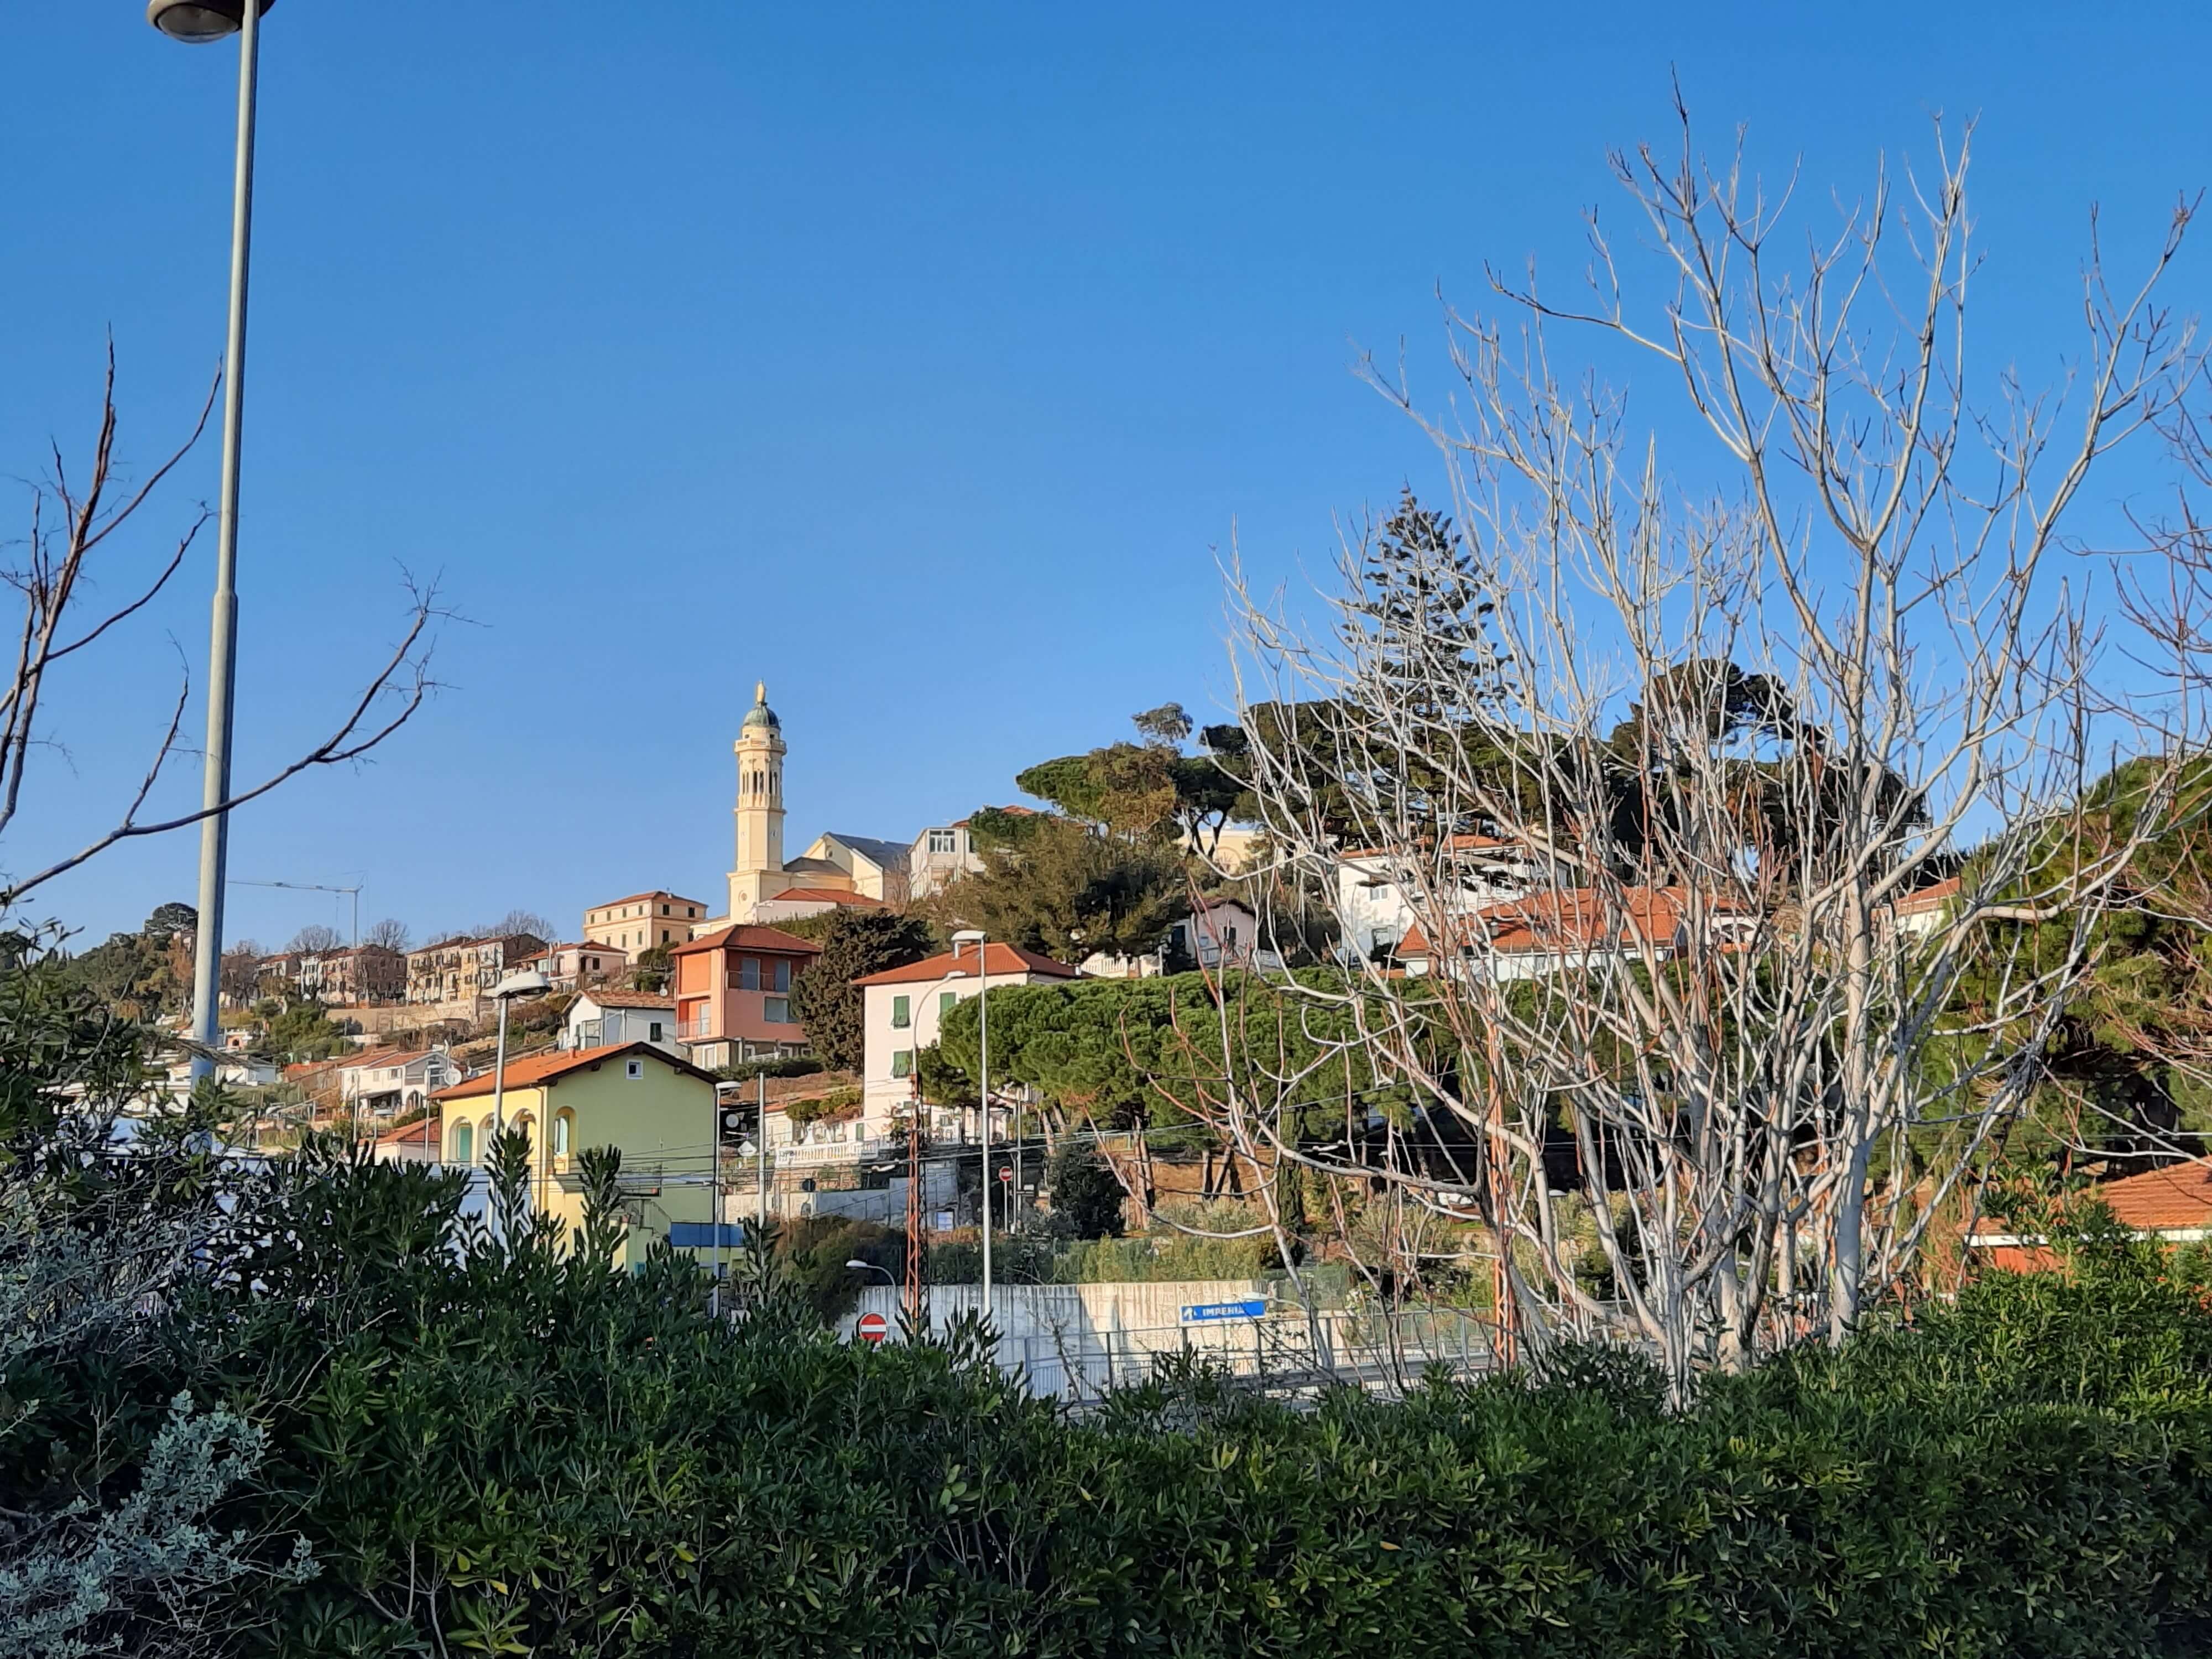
[714, 1210]
[914, 1195]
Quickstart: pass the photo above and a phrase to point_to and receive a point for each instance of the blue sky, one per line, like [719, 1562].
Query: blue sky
[918, 360]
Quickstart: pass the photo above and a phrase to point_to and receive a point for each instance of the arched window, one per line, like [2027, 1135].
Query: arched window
[564, 1125]
[464, 1144]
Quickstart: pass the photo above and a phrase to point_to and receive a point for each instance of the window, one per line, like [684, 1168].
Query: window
[464, 1144]
[654, 1029]
[947, 1001]
[903, 1063]
[782, 976]
[663, 936]
[902, 1013]
[943, 840]
[776, 1010]
[563, 1127]
[749, 974]
[634, 1069]
[664, 909]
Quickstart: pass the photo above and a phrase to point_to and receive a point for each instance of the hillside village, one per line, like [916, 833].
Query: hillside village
[703, 1004]
[1644, 1091]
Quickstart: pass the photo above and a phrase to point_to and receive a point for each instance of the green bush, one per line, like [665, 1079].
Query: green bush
[510, 1449]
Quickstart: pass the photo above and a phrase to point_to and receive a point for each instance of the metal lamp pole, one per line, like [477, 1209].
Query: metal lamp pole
[211, 20]
[976, 936]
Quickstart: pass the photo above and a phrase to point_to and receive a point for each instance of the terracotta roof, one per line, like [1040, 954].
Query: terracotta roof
[608, 998]
[2179, 1196]
[998, 959]
[657, 893]
[826, 895]
[413, 1135]
[1575, 918]
[528, 1072]
[1456, 844]
[747, 936]
[1928, 898]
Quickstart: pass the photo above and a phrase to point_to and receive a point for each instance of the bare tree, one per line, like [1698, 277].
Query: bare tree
[391, 934]
[519, 923]
[1653, 771]
[316, 938]
[240, 976]
[73, 522]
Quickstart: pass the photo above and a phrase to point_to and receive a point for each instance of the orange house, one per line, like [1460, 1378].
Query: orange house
[732, 990]
[2173, 1205]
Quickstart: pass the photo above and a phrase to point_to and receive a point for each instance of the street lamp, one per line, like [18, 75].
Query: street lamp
[871, 1268]
[976, 937]
[198, 20]
[513, 985]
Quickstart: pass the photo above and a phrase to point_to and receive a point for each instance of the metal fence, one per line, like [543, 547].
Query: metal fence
[1285, 1353]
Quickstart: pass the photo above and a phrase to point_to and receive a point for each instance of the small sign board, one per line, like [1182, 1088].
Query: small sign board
[873, 1327]
[1209, 1313]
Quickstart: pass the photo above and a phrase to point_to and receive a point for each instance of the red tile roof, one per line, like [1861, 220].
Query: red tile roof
[998, 959]
[1456, 844]
[533, 1070]
[748, 936]
[1578, 917]
[1928, 898]
[612, 999]
[826, 895]
[2179, 1195]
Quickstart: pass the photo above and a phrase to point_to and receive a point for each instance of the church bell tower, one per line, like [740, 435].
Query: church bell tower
[759, 871]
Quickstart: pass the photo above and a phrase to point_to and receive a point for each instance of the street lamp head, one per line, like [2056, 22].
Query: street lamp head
[862, 1267]
[198, 21]
[522, 985]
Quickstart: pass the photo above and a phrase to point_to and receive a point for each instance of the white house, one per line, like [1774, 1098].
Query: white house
[600, 1017]
[905, 1007]
[571, 965]
[1580, 928]
[1926, 911]
[1377, 891]
[945, 851]
[389, 1082]
[1220, 933]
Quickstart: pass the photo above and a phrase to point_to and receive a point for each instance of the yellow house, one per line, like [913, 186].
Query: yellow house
[656, 1108]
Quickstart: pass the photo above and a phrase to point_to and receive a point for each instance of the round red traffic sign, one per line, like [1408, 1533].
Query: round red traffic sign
[873, 1327]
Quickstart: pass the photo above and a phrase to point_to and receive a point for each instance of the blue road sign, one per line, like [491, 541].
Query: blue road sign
[1204, 1313]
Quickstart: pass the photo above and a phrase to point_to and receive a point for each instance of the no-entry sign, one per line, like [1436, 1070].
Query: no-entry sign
[873, 1327]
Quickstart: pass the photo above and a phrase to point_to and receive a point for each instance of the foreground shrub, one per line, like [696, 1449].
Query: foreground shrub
[518, 1451]
[508, 1449]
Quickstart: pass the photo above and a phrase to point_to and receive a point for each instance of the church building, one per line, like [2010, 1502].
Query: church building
[836, 871]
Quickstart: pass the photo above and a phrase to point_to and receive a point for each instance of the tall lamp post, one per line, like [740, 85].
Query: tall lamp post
[976, 937]
[513, 985]
[198, 21]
